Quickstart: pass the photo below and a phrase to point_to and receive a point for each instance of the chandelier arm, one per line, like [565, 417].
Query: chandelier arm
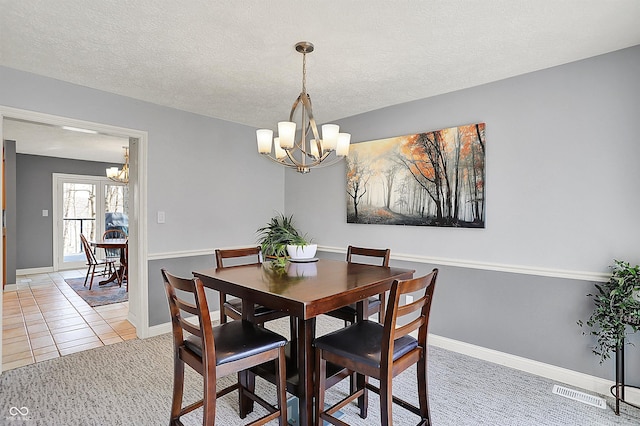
[323, 163]
[295, 163]
[306, 101]
[293, 160]
[294, 107]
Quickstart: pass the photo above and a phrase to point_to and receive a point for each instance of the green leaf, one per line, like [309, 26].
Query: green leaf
[614, 307]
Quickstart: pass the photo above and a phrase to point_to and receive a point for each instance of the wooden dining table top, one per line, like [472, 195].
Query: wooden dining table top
[110, 243]
[305, 290]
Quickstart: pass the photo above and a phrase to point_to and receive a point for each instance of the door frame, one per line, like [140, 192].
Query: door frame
[58, 180]
[138, 146]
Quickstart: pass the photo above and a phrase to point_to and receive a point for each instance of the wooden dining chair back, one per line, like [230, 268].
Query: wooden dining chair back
[372, 305]
[93, 262]
[382, 352]
[110, 234]
[232, 308]
[218, 351]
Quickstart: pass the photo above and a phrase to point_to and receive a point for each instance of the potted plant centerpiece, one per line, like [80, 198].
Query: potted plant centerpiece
[280, 239]
[617, 305]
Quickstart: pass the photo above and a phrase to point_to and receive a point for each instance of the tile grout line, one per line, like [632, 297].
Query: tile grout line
[52, 290]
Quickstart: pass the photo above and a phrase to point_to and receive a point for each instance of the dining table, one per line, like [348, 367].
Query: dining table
[121, 244]
[304, 290]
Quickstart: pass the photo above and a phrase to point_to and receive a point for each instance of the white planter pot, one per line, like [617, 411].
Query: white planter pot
[302, 252]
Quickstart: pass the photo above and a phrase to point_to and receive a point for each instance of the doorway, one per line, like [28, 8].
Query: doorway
[138, 294]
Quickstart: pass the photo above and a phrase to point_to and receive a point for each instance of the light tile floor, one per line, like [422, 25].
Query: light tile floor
[44, 319]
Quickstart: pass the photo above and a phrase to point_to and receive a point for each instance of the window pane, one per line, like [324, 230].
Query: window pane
[116, 205]
[79, 215]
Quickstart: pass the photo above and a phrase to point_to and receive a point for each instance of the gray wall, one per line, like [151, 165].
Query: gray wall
[10, 209]
[35, 193]
[202, 172]
[184, 267]
[562, 180]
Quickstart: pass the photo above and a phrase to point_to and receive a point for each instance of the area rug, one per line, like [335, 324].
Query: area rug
[99, 295]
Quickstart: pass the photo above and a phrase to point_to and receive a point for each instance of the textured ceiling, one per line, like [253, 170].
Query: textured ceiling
[54, 141]
[236, 60]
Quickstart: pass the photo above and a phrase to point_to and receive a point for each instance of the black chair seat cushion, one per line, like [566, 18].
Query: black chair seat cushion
[236, 340]
[362, 342]
[374, 303]
[236, 305]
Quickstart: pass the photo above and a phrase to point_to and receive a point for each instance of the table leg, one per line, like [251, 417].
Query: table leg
[362, 313]
[119, 274]
[306, 359]
[115, 276]
[247, 378]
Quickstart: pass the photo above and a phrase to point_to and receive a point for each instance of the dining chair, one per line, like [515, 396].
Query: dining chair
[382, 352]
[94, 262]
[233, 308]
[218, 351]
[374, 304]
[113, 234]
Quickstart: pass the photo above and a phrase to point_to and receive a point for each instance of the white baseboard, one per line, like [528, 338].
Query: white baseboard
[34, 271]
[159, 329]
[584, 381]
[11, 287]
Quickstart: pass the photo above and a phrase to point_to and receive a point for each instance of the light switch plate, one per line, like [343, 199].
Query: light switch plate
[45, 213]
[160, 217]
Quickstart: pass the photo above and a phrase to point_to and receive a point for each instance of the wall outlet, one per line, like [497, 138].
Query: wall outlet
[45, 213]
[160, 217]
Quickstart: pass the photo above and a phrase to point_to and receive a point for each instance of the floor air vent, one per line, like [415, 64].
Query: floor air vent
[579, 396]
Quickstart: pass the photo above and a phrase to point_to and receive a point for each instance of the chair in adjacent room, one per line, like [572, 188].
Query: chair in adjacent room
[93, 262]
[109, 234]
[218, 351]
[374, 304]
[232, 308]
[382, 352]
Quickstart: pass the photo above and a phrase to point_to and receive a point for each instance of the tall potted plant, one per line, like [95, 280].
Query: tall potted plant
[279, 235]
[617, 305]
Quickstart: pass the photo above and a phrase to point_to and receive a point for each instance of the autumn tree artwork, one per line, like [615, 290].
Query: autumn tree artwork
[426, 179]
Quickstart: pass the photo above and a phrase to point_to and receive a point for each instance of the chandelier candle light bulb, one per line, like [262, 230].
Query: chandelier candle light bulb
[297, 154]
[287, 134]
[264, 140]
[342, 149]
[314, 148]
[280, 153]
[330, 136]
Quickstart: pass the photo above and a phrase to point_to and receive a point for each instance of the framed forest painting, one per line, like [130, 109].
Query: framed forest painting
[426, 179]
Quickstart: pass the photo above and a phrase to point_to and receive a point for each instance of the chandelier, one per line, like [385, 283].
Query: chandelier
[118, 175]
[309, 150]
